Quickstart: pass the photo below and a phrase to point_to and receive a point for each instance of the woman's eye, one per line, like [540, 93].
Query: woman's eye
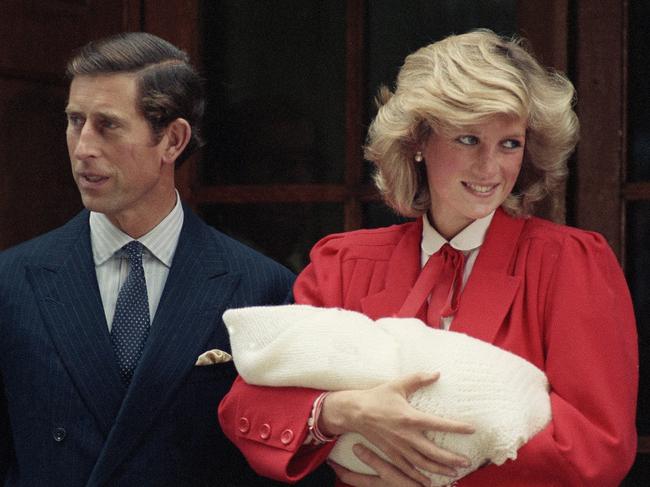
[467, 139]
[511, 144]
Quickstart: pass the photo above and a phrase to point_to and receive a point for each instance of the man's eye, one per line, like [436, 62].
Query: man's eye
[468, 139]
[108, 124]
[75, 120]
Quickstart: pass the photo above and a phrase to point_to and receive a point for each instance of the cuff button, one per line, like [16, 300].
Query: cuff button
[286, 437]
[243, 425]
[265, 431]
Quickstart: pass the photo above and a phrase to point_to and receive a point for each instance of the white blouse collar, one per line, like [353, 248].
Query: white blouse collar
[470, 238]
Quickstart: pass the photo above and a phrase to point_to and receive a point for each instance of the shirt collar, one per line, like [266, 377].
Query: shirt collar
[470, 238]
[161, 241]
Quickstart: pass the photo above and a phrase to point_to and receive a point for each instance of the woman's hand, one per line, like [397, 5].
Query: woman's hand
[385, 418]
[387, 474]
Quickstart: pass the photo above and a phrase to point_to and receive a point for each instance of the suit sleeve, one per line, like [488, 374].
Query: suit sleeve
[6, 450]
[248, 411]
[592, 366]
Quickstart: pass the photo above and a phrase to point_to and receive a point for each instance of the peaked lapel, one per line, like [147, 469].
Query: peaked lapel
[65, 285]
[403, 270]
[197, 291]
[490, 290]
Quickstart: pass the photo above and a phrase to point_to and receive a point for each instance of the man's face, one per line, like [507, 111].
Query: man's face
[115, 161]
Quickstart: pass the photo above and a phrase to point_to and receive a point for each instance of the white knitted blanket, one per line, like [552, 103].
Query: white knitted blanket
[502, 395]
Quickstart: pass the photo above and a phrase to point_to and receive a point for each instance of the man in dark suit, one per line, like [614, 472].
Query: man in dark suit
[113, 354]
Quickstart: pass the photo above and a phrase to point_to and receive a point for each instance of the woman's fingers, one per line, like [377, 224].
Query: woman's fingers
[440, 462]
[398, 429]
[427, 422]
[387, 474]
[400, 464]
[384, 417]
[426, 454]
[411, 383]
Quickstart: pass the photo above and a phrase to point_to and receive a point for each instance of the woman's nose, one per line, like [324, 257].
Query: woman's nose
[487, 162]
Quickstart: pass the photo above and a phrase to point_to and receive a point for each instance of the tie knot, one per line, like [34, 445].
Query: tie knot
[133, 251]
[450, 253]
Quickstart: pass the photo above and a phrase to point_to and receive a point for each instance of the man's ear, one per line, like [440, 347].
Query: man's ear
[177, 136]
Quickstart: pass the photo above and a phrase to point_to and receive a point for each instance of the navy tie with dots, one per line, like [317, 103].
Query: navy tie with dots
[131, 320]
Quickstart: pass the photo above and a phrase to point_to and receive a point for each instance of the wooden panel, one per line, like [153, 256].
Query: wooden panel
[284, 193]
[601, 108]
[178, 22]
[644, 445]
[637, 191]
[544, 23]
[354, 106]
[37, 192]
[37, 37]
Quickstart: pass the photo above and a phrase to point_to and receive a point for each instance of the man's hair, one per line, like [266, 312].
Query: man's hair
[464, 80]
[168, 86]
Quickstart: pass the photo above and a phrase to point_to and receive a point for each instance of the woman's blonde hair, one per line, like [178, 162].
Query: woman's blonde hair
[465, 80]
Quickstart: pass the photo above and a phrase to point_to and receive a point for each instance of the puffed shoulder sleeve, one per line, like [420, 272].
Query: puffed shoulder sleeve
[321, 282]
[591, 361]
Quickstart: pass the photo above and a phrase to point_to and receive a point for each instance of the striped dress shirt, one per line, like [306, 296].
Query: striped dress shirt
[112, 265]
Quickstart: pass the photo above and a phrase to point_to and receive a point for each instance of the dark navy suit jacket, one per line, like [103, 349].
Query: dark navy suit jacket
[66, 419]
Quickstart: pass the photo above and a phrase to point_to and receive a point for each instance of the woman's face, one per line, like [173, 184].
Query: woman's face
[471, 171]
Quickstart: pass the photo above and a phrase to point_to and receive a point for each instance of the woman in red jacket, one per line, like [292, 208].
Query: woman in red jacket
[475, 136]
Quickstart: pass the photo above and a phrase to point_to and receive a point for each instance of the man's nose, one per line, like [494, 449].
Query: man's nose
[86, 144]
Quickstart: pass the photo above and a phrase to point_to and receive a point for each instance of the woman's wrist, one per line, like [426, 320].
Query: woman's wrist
[331, 420]
[316, 436]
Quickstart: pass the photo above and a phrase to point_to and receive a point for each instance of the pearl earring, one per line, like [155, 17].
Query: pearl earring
[418, 156]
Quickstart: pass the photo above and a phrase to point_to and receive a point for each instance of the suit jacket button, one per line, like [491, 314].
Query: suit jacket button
[244, 425]
[265, 431]
[286, 437]
[59, 434]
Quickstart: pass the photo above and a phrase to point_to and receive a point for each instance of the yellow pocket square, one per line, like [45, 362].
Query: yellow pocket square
[214, 356]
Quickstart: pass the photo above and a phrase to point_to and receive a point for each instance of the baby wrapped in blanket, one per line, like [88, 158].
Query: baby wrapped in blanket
[504, 397]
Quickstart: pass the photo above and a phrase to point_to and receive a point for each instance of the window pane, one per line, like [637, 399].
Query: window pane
[276, 91]
[283, 231]
[638, 270]
[397, 28]
[377, 214]
[639, 86]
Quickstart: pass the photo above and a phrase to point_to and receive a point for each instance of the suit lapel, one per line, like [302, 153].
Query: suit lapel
[403, 270]
[490, 290]
[68, 297]
[197, 291]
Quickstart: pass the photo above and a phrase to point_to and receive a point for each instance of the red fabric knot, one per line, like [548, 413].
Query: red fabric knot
[441, 278]
[445, 294]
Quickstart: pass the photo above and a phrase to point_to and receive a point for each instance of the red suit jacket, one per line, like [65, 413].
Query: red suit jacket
[552, 294]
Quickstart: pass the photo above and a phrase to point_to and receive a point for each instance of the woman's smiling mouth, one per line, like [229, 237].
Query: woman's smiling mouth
[481, 189]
